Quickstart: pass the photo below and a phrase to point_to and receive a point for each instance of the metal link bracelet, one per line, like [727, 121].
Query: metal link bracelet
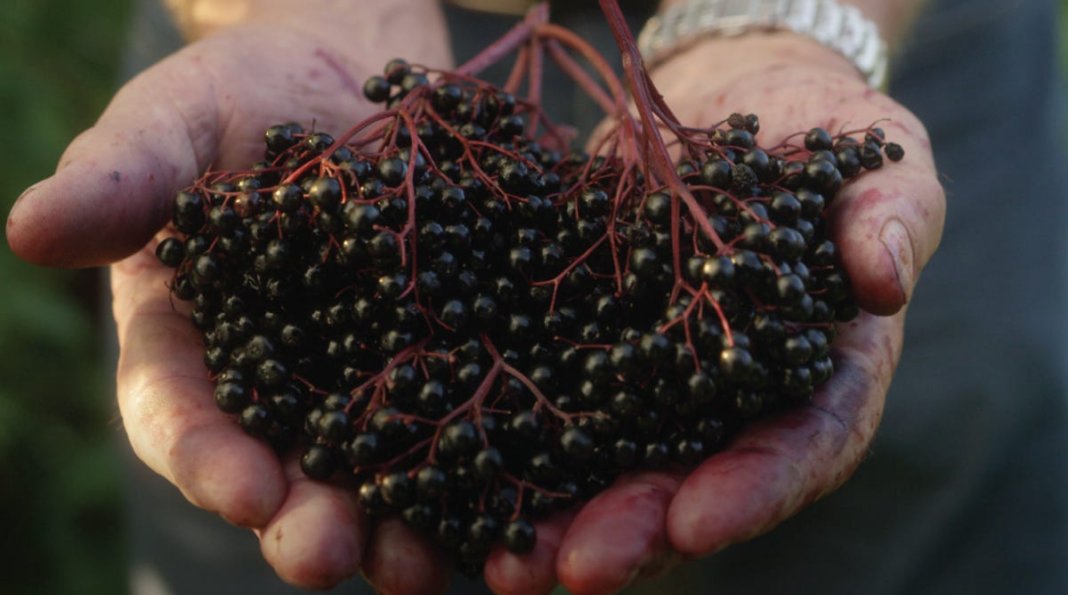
[841, 28]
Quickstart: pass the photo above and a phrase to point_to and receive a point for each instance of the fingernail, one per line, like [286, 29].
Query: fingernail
[25, 193]
[897, 241]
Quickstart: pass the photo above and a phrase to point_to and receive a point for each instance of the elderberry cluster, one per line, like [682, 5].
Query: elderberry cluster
[482, 327]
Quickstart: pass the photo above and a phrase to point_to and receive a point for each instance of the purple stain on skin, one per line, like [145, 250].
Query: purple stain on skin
[346, 80]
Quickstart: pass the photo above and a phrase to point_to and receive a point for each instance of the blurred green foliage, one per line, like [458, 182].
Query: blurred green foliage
[59, 461]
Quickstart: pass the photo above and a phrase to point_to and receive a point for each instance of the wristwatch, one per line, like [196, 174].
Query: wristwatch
[843, 29]
[508, 7]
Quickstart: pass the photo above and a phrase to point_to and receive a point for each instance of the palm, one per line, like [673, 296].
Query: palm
[648, 521]
[228, 90]
[206, 106]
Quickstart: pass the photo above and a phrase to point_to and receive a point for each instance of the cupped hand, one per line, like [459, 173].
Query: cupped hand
[887, 224]
[208, 105]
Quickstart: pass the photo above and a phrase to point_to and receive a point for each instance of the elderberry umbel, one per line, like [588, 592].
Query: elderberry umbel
[481, 325]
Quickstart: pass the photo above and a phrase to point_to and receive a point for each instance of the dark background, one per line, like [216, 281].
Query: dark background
[61, 516]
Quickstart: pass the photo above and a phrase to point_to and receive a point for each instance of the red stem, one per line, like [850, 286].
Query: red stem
[496, 51]
[653, 149]
[515, 79]
[534, 76]
[581, 77]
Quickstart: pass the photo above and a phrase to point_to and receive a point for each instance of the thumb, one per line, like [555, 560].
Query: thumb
[111, 191]
[889, 222]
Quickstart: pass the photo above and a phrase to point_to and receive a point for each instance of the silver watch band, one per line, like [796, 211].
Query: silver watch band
[840, 28]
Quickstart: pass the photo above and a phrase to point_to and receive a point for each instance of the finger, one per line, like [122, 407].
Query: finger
[619, 535]
[533, 573]
[168, 410]
[401, 562]
[207, 105]
[888, 222]
[317, 538]
[108, 196]
[776, 467]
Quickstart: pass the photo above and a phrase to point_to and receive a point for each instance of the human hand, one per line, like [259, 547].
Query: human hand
[887, 224]
[208, 105]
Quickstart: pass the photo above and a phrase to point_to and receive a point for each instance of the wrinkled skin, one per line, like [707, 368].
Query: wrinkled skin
[209, 104]
[888, 224]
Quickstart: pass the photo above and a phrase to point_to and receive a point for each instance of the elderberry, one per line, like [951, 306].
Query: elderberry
[476, 327]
